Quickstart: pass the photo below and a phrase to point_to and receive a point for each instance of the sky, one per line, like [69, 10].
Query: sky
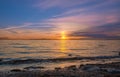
[49, 19]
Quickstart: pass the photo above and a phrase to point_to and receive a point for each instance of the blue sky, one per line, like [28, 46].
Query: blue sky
[48, 18]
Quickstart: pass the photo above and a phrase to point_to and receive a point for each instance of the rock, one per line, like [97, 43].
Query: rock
[1, 59]
[34, 67]
[113, 71]
[103, 70]
[101, 45]
[15, 70]
[112, 75]
[57, 68]
[81, 66]
[89, 68]
[119, 53]
[72, 67]
[69, 54]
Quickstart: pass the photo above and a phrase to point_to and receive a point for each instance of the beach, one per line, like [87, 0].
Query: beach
[88, 70]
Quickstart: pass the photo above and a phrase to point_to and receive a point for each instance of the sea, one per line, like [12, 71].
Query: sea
[18, 54]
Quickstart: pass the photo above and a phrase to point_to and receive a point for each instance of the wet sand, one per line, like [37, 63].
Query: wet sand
[88, 70]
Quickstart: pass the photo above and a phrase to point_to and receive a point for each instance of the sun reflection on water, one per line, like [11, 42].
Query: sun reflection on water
[63, 45]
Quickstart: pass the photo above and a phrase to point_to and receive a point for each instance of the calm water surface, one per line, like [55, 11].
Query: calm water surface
[43, 49]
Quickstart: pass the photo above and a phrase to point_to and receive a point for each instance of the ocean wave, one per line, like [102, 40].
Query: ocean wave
[25, 61]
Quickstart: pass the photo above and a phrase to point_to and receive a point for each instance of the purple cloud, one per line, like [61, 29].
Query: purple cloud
[46, 4]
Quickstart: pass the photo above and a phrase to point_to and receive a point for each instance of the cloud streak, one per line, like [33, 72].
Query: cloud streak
[46, 4]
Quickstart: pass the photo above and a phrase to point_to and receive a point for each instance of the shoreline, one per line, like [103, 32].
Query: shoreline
[27, 61]
[88, 70]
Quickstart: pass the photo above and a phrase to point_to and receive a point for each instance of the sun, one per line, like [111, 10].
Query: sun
[63, 35]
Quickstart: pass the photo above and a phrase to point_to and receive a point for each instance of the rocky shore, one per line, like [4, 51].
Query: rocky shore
[88, 70]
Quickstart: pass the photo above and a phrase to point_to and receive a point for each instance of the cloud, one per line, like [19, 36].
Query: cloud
[107, 31]
[111, 29]
[15, 27]
[83, 21]
[85, 16]
[76, 5]
[46, 4]
[27, 29]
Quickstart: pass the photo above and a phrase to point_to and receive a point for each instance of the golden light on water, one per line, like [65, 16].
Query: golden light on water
[63, 46]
